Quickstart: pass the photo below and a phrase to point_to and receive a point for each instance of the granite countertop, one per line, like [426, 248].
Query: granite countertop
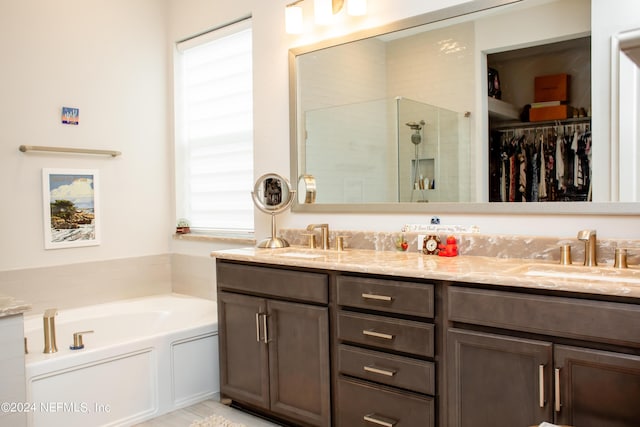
[525, 273]
[10, 306]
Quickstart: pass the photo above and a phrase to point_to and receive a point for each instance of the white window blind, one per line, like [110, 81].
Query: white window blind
[214, 130]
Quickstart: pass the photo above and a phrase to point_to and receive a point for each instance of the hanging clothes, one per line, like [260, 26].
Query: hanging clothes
[541, 163]
[542, 182]
[560, 163]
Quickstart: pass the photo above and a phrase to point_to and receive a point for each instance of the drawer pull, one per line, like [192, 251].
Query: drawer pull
[377, 297]
[558, 404]
[377, 334]
[386, 372]
[378, 420]
[541, 400]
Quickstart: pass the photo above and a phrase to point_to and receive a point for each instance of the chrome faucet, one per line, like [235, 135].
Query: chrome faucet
[50, 330]
[589, 239]
[324, 228]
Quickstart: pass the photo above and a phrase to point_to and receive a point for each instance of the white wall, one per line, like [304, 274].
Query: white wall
[609, 21]
[107, 58]
[111, 59]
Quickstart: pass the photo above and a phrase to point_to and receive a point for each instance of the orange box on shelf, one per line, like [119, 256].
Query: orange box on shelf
[556, 112]
[552, 88]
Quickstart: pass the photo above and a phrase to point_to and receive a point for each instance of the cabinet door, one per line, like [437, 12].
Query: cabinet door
[498, 381]
[244, 371]
[597, 388]
[298, 336]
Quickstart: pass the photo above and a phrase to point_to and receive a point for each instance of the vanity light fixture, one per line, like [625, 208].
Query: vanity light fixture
[293, 18]
[357, 7]
[323, 10]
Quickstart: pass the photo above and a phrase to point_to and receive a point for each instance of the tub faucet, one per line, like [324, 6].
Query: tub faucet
[589, 239]
[50, 330]
[325, 233]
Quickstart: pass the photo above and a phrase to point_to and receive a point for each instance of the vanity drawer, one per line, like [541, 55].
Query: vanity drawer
[576, 318]
[298, 285]
[366, 405]
[405, 336]
[389, 369]
[390, 296]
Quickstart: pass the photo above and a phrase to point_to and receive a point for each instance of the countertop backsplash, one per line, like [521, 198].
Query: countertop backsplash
[476, 244]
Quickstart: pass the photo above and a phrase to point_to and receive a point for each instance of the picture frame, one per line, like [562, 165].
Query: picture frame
[71, 207]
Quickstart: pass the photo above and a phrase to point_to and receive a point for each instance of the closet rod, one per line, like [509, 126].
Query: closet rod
[547, 123]
[112, 153]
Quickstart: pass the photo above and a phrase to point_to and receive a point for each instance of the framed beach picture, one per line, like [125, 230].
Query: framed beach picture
[71, 208]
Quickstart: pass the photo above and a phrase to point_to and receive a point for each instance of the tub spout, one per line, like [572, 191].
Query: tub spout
[50, 330]
[77, 340]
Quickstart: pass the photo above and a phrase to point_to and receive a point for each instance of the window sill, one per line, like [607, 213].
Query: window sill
[230, 238]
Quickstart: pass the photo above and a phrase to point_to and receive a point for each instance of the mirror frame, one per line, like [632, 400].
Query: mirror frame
[530, 208]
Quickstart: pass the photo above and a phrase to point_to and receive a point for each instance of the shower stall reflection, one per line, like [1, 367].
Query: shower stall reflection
[369, 153]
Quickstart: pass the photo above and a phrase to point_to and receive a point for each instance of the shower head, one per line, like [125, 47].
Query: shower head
[416, 126]
[416, 138]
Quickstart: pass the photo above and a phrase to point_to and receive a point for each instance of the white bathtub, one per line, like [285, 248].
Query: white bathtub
[146, 356]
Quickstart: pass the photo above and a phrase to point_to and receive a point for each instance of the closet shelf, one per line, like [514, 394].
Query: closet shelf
[112, 153]
[502, 110]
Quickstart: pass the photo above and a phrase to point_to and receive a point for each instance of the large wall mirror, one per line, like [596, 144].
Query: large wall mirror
[399, 119]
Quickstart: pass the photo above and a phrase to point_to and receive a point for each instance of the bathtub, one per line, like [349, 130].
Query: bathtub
[146, 356]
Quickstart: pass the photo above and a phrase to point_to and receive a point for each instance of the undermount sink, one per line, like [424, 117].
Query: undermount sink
[306, 255]
[580, 272]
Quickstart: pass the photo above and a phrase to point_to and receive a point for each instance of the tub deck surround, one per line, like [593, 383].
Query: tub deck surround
[10, 306]
[513, 272]
[146, 357]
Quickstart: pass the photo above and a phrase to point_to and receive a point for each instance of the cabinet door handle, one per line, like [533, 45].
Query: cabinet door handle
[258, 327]
[557, 381]
[377, 297]
[265, 328]
[385, 372]
[541, 385]
[377, 334]
[378, 420]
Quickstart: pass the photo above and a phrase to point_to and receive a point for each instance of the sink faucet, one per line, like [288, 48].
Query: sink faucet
[325, 233]
[589, 239]
[50, 330]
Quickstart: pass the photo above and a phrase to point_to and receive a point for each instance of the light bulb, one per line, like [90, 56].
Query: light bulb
[357, 7]
[293, 19]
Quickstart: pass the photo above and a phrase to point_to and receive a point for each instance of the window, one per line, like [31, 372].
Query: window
[214, 130]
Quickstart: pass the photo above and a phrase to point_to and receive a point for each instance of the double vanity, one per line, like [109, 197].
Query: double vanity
[364, 337]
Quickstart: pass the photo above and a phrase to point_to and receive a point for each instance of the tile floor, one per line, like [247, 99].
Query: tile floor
[185, 416]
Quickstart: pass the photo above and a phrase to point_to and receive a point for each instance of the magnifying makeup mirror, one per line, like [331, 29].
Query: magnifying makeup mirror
[272, 194]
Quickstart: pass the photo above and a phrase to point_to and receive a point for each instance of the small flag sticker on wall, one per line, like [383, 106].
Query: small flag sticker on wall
[70, 116]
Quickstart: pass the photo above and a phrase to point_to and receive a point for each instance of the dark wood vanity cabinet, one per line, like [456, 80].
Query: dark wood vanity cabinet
[517, 359]
[385, 338]
[274, 341]
[330, 348]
